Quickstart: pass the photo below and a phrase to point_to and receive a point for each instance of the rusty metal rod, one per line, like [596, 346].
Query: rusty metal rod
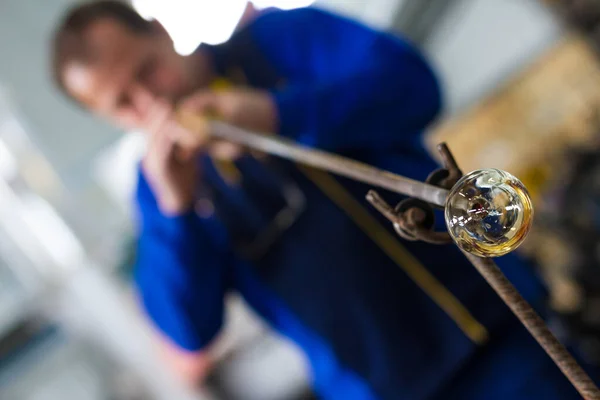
[536, 326]
[339, 165]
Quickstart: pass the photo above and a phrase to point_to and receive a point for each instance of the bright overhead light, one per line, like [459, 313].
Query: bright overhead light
[282, 4]
[190, 23]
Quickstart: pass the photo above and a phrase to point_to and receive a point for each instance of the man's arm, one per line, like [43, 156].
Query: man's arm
[182, 278]
[350, 86]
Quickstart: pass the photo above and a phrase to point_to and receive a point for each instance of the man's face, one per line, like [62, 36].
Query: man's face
[124, 68]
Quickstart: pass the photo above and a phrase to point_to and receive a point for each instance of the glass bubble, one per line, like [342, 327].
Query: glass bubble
[489, 213]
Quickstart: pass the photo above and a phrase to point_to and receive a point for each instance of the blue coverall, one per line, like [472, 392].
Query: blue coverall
[378, 317]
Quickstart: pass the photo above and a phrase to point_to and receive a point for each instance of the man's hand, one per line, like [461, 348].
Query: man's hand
[177, 138]
[170, 163]
[246, 108]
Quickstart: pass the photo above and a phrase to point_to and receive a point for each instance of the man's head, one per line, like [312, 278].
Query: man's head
[108, 58]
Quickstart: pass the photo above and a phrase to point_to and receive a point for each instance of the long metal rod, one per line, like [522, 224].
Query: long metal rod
[434, 195]
[343, 166]
[536, 326]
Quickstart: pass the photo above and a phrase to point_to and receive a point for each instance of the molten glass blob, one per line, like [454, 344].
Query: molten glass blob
[489, 213]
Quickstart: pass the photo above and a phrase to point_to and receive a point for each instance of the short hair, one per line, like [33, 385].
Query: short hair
[68, 42]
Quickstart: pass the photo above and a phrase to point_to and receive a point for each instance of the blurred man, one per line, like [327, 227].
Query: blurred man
[378, 318]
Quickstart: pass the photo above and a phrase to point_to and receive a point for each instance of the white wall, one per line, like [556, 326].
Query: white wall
[480, 43]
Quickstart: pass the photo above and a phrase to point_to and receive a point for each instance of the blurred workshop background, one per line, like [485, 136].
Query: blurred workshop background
[522, 85]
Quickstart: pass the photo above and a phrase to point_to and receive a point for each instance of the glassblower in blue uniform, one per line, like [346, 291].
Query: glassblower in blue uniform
[378, 317]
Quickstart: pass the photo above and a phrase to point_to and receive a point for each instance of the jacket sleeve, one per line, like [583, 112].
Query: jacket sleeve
[181, 275]
[349, 86]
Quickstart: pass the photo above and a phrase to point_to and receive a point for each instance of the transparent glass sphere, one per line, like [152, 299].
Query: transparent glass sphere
[489, 213]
